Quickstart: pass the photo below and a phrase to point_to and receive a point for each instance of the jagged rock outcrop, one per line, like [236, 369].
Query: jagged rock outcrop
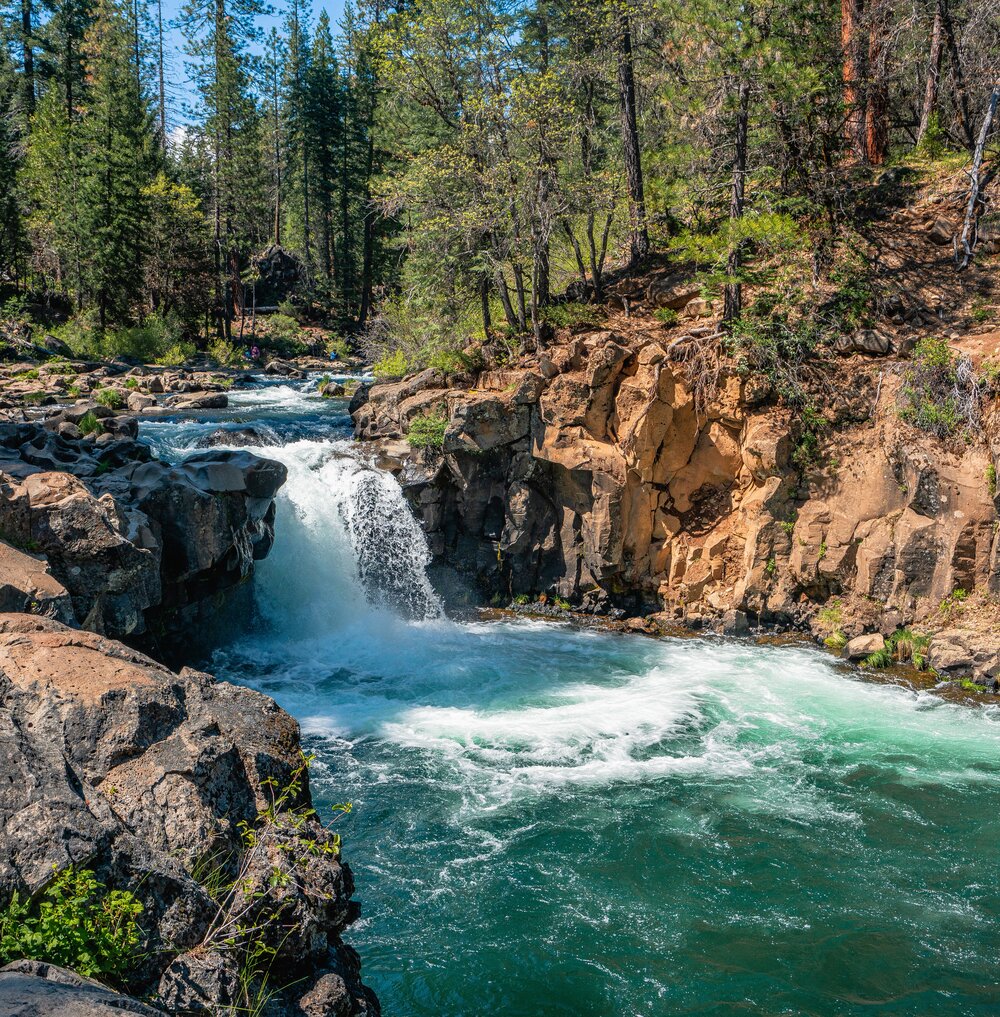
[137, 545]
[116, 764]
[593, 473]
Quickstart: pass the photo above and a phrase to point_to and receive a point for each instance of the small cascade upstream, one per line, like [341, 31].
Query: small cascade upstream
[562, 822]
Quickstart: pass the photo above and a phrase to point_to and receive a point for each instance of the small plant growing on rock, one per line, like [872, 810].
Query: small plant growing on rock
[836, 640]
[940, 392]
[771, 568]
[952, 604]
[666, 316]
[77, 923]
[255, 916]
[991, 480]
[110, 397]
[427, 432]
[89, 423]
[562, 604]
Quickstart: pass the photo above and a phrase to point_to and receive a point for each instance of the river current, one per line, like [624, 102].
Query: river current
[548, 821]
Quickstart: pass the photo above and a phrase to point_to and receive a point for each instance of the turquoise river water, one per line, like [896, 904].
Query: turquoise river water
[548, 821]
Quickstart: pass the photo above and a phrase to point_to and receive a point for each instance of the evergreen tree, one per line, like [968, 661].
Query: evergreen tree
[118, 160]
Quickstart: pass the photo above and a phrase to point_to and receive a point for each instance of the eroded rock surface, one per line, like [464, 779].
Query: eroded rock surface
[591, 472]
[136, 545]
[114, 763]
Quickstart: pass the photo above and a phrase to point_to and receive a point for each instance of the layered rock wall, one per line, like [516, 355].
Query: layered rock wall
[593, 474]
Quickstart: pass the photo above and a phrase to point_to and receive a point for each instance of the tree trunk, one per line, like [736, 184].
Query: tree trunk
[368, 252]
[877, 92]
[639, 232]
[933, 75]
[970, 227]
[733, 301]
[484, 302]
[29, 57]
[854, 113]
[958, 76]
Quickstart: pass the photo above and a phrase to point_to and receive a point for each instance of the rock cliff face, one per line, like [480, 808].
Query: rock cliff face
[112, 762]
[134, 548]
[591, 472]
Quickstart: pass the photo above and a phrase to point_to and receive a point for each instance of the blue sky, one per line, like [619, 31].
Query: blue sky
[178, 86]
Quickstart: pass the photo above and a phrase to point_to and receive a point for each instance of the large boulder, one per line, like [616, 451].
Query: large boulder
[116, 764]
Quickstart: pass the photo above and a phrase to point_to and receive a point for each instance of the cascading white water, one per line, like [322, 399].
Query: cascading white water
[346, 542]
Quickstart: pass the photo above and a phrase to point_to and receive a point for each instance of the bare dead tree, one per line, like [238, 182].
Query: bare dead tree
[967, 243]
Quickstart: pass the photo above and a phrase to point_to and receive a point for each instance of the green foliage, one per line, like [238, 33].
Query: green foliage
[225, 354]
[77, 923]
[902, 647]
[563, 605]
[991, 480]
[340, 346]
[772, 343]
[666, 316]
[836, 640]
[278, 848]
[971, 686]
[952, 604]
[30, 375]
[570, 314]
[391, 365]
[522, 599]
[176, 355]
[89, 423]
[771, 567]
[934, 143]
[109, 397]
[427, 431]
[940, 392]
[812, 426]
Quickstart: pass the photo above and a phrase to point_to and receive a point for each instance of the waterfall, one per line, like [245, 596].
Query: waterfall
[346, 542]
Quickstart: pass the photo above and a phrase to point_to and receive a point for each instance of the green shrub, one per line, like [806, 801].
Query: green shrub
[450, 361]
[812, 424]
[29, 375]
[390, 365]
[176, 355]
[940, 392]
[971, 686]
[902, 647]
[522, 599]
[225, 354]
[132, 383]
[89, 423]
[77, 923]
[339, 346]
[109, 397]
[562, 604]
[836, 640]
[666, 316]
[991, 480]
[427, 431]
[772, 344]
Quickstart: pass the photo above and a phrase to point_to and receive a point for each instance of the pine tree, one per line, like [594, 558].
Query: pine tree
[218, 35]
[118, 161]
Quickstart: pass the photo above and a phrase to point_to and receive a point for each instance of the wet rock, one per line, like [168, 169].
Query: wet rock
[284, 368]
[235, 436]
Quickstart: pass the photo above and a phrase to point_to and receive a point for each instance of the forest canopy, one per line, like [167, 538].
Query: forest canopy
[437, 171]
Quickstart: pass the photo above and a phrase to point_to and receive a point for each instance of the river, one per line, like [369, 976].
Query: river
[553, 821]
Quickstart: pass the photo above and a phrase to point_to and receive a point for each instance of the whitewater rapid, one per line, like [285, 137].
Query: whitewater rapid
[549, 821]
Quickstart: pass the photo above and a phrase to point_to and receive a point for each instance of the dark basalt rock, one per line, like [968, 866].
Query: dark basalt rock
[138, 544]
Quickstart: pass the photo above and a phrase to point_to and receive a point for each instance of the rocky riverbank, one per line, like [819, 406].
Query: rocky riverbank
[189, 794]
[601, 471]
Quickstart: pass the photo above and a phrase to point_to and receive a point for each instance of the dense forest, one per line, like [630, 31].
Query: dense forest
[440, 171]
